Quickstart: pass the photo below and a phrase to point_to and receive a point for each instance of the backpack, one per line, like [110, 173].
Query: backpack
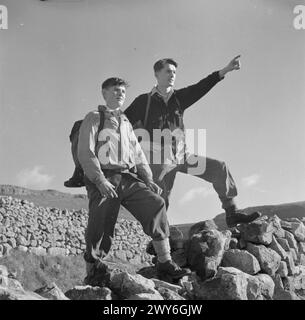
[77, 179]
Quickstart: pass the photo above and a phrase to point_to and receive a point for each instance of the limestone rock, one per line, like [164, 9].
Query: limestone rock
[268, 259]
[279, 232]
[166, 285]
[242, 244]
[296, 227]
[135, 284]
[259, 231]
[280, 293]
[254, 291]
[200, 226]
[175, 233]
[274, 245]
[242, 260]
[146, 296]
[89, 293]
[54, 251]
[291, 240]
[7, 294]
[228, 236]
[230, 286]
[51, 292]
[290, 264]
[298, 230]
[120, 254]
[168, 294]
[205, 252]
[22, 248]
[295, 283]
[11, 289]
[301, 247]
[3, 271]
[233, 243]
[301, 259]
[266, 284]
[186, 283]
[283, 270]
[39, 251]
[294, 255]
[283, 243]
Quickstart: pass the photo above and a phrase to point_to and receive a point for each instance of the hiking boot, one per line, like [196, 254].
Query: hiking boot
[77, 180]
[170, 270]
[89, 271]
[235, 216]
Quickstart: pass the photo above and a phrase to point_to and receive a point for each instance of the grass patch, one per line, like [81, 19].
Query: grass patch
[34, 271]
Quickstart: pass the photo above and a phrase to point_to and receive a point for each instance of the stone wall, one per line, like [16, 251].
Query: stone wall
[261, 260]
[54, 231]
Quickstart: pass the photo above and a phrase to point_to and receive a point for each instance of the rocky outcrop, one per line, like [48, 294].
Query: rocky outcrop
[242, 260]
[259, 261]
[205, 252]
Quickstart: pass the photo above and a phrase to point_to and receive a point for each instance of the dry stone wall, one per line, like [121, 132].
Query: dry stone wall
[54, 231]
[262, 260]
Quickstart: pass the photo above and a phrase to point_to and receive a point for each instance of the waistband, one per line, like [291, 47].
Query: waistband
[120, 170]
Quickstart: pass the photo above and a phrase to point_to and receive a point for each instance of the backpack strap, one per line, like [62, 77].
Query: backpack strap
[102, 120]
[147, 109]
[100, 127]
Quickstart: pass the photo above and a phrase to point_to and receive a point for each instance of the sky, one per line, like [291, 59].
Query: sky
[55, 54]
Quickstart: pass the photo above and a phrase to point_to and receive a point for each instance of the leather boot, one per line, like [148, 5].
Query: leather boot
[235, 216]
[170, 270]
[89, 270]
[77, 179]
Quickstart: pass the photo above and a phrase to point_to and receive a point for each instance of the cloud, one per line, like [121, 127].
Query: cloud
[250, 181]
[34, 178]
[195, 192]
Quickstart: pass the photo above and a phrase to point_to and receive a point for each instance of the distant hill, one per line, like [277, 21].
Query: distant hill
[285, 210]
[53, 198]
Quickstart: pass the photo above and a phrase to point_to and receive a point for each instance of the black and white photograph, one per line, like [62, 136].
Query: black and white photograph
[152, 150]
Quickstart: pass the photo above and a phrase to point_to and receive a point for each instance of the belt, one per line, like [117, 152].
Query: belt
[120, 170]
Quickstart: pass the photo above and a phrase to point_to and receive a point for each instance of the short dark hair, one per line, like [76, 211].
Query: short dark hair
[110, 82]
[162, 62]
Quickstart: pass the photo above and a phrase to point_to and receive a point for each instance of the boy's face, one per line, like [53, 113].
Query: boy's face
[115, 96]
[166, 76]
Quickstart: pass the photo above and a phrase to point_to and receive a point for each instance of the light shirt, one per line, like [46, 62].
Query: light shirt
[165, 97]
[115, 147]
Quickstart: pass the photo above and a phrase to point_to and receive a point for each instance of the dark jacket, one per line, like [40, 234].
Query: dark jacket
[170, 116]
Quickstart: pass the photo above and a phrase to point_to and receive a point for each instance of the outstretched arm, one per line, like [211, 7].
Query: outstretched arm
[191, 94]
[234, 64]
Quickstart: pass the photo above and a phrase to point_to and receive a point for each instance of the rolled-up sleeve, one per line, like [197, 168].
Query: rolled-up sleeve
[86, 148]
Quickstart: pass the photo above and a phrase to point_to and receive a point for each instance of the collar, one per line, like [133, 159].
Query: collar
[114, 112]
[166, 97]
